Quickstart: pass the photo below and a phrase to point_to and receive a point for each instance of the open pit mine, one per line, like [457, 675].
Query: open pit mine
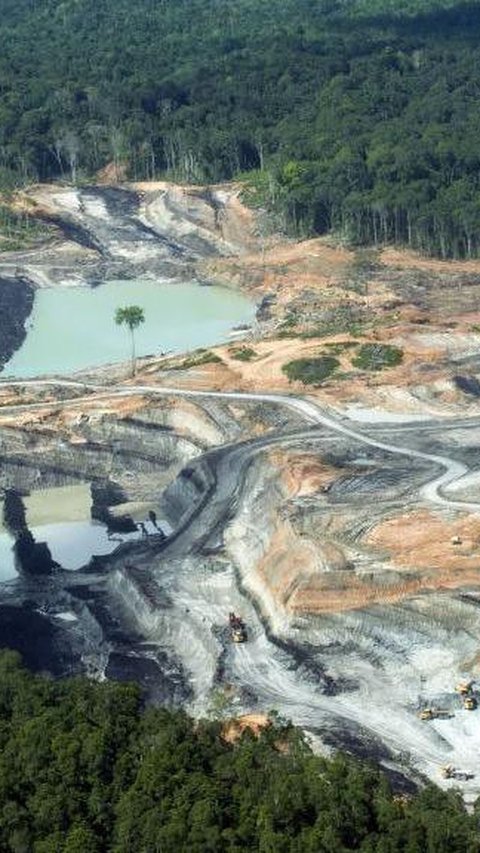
[256, 544]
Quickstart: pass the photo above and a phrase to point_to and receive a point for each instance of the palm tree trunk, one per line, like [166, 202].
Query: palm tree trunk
[133, 352]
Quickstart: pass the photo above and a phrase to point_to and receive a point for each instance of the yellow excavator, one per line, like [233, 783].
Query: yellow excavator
[465, 690]
[448, 771]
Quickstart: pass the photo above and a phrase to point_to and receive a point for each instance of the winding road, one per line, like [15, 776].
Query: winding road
[433, 491]
[383, 703]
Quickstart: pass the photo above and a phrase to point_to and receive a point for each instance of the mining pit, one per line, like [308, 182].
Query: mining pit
[341, 522]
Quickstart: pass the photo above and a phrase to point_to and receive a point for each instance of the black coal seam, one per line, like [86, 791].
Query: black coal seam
[78, 233]
[17, 297]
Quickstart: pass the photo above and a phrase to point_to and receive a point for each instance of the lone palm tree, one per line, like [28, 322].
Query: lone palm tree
[132, 316]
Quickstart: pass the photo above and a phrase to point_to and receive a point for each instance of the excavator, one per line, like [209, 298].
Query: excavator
[448, 771]
[465, 689]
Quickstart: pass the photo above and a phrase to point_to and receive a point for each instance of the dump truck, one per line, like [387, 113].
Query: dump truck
[434, 714]
[464, 688]
[238, 630]
[470, 703]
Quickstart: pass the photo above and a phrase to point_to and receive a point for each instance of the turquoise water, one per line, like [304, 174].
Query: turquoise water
[73, 328]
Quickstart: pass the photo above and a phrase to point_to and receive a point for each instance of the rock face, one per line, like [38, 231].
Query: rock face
[159, 230]
[135, 454]
[16, 303]
[42, 643]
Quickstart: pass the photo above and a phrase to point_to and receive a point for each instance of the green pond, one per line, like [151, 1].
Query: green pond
[73, 328]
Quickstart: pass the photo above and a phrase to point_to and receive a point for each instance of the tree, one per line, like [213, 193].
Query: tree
[132, 316]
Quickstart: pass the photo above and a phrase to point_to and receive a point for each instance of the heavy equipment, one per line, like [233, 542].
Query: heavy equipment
[434, 714]
[451, 772]
[238, 630]
[464, 688]
[448, 771]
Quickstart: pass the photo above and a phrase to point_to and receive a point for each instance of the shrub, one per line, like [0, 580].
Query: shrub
[310, 371]
[243, 353]
[377, 357]
[201, 356]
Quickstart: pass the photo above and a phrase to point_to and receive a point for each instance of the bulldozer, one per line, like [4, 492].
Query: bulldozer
[448, 771]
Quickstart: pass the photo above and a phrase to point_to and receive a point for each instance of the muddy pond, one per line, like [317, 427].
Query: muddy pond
[73, 328]
[61, 517]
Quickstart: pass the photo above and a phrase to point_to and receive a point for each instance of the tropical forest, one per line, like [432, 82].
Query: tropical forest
[356, 117]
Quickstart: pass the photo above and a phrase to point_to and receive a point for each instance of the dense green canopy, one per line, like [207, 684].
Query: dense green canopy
[84, 770]
[358, 116]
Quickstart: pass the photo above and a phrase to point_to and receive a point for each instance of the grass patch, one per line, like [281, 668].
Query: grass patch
[377, 357]
[287, 333]
[289, 323]
[199, 357]
[310, 371]
[243, 353]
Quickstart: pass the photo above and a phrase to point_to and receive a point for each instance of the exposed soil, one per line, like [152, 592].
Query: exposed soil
[254, 723]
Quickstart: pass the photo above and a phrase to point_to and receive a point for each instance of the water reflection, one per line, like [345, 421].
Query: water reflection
[61, 518]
